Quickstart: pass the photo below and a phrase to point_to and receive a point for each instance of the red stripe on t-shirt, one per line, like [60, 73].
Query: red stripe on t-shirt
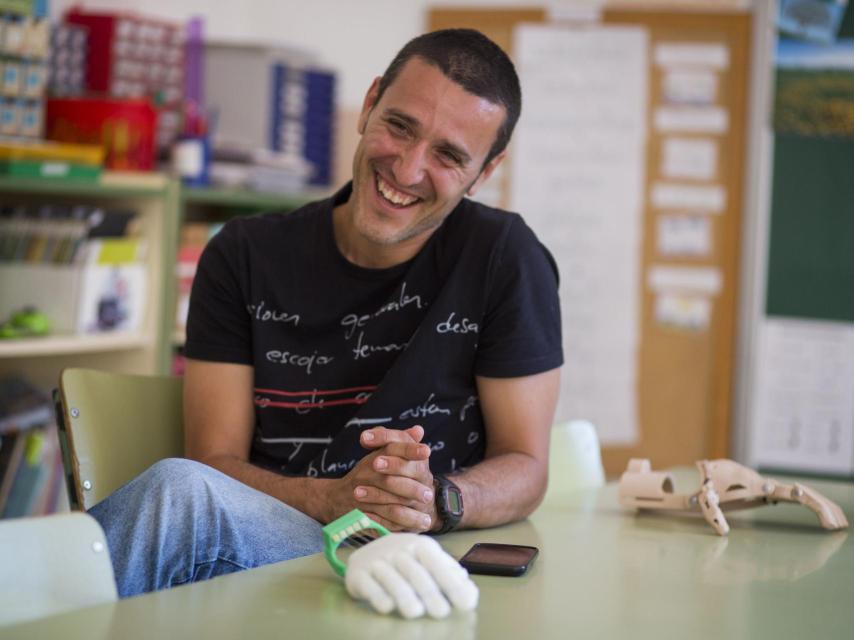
[316, 392]
[261, 402]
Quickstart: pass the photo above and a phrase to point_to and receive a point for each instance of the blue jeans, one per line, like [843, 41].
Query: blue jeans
[182, 521]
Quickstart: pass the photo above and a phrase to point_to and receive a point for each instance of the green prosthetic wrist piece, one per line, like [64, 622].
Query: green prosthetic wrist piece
[353, 529]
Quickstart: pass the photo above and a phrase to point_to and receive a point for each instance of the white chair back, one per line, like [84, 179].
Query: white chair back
[52, 564]
[575, 461]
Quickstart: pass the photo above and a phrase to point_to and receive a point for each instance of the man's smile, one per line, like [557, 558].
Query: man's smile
[392, 196]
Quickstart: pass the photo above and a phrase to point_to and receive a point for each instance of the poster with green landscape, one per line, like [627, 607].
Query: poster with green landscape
[811, 252]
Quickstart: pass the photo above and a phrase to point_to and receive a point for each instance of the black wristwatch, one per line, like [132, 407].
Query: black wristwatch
[449, 503]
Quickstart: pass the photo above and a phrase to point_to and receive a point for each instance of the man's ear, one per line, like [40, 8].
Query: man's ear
[485, 173]
[368, 104]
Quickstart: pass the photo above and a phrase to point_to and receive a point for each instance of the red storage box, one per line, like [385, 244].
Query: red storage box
[125, 128]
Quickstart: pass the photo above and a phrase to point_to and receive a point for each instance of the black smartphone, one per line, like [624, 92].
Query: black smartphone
[499, 559]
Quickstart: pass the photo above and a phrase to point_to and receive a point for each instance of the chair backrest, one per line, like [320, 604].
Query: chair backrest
[113, 426]
[52, 564]
[575, 461]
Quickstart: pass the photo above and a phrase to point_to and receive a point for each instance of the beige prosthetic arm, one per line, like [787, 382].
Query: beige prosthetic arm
[725, 486]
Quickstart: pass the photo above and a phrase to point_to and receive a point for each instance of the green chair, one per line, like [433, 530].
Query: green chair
[113, 426]
[575, 461]
[52, 564]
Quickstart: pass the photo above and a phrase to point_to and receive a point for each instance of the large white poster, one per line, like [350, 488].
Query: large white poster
[803, 416]
[578, 178]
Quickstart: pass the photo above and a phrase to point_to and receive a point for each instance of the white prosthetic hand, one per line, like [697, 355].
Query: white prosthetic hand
[410, 573]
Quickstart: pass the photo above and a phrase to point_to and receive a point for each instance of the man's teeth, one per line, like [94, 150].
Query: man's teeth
[394, 196]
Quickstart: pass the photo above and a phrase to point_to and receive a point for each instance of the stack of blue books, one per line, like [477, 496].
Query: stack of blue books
[303, 117]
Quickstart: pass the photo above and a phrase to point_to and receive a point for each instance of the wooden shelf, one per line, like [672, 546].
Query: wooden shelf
[245, 199]
[111, 184]
[71, 344]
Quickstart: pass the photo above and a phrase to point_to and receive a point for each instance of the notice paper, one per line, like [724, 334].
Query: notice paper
[803, 412]
[691, 119]
[714, 55]
[691, 158]
[684, 235]
[578, 179]
[683, 311]
[670, 279]
[690, 87]
[666, 195]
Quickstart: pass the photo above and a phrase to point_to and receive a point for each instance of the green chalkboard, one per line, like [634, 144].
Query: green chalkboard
[811, 255]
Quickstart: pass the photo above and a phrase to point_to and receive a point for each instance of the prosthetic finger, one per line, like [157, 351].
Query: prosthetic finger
[451, 577]
[709, 505]
[404, 596]
[423, 584]
[362, 586]
[830, 516]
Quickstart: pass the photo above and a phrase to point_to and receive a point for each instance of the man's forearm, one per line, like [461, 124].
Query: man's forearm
[309, 495]
[501, 489]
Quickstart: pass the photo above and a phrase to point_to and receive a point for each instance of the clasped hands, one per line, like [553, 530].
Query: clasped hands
[393, 484]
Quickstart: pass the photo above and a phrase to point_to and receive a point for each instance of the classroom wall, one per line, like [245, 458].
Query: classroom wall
[356, 38]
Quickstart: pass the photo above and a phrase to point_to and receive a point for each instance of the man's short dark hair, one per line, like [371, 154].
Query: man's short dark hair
[475, 63]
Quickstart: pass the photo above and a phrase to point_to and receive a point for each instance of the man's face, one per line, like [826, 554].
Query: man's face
[422, 149]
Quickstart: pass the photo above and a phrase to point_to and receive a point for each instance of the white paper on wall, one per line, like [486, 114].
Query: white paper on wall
[680, 235]
[706, 199]
[691, 87]
[803, 416]
[691, 119]
[578, 179]
[691, 158]
[671, 279]
[683, 311]
[714, 55]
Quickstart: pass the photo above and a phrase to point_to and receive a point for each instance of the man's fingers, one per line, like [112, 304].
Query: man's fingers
[416, 432]
[407, 450]
[395, 490]
[381, 436]
[388, 524]
[401, 518]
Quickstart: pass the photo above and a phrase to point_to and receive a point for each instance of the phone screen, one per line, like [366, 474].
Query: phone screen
[499, 559]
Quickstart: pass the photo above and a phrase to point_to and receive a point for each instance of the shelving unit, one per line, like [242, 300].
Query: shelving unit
[162, 204]
[155, 199]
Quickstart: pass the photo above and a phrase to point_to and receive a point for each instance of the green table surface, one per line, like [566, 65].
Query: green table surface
[603, 572]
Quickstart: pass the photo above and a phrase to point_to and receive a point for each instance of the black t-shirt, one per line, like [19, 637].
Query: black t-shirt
[338, 348]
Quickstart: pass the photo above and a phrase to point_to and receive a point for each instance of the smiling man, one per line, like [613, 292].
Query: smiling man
[406, 362]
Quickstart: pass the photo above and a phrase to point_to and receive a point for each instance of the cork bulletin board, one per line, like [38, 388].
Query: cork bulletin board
[692, 217]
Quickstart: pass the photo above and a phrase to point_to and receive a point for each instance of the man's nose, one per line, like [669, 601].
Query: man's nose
[410, 164]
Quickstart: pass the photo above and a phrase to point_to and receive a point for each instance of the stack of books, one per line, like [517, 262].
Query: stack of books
[41, 159]
[32, 479]
[80, 266]
[56, 234]
[303, 117]
[194, 237]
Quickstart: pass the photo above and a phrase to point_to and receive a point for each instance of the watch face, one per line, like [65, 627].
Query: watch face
[454, 501]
